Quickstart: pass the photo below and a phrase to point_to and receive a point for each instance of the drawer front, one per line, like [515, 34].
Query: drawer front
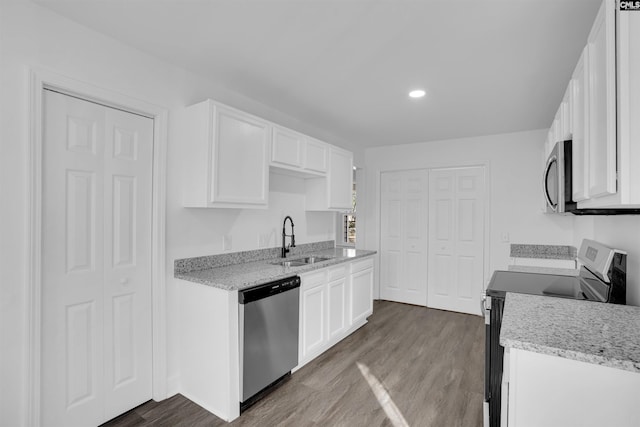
[360, 265]
[335, 273]
[313, 279]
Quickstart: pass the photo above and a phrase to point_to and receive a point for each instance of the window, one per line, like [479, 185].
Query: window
[349, 227]
[347, 221]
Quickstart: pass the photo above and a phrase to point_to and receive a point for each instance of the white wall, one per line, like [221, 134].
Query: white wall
[31, 36]
[515, 167]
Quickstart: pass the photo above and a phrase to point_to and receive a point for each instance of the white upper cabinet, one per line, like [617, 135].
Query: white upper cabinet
[600, 115]
[601, 65]
[335, 191]
[225, 158]
[340, 179]
[227, 155]
[564, 112]
[287, 148]
[296, 154]
[612, 128]
[316, 155]
[580, 153]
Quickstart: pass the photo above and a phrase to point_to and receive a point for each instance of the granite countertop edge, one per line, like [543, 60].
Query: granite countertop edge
[592, 332]
[245, 275]
[579, 356]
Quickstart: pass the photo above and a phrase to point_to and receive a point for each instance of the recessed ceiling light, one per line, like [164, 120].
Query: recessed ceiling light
[418, 93]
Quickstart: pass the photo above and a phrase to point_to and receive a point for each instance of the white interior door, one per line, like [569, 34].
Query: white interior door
[96, 261]
[456, 238]
[403, 225]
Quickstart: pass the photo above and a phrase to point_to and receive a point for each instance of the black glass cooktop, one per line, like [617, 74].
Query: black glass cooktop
[538, 284]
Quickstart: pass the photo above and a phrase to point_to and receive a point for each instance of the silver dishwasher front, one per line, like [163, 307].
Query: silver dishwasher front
[268, 327]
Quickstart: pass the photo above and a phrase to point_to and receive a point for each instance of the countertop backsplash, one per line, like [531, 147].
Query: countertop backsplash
[543, 251]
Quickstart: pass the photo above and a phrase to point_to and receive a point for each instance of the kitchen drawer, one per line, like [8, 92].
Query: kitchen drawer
[364, 264]
[313, 279]
[337, 272]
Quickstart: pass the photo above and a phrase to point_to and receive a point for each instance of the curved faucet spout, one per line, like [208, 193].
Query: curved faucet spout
[292, 244]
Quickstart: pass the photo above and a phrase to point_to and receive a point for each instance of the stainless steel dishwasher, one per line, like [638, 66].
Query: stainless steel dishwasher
[268, 330]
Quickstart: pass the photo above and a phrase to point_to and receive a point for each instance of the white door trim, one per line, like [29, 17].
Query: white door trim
[38, 81]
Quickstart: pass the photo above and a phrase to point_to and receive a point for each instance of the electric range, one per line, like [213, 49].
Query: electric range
[602, 278]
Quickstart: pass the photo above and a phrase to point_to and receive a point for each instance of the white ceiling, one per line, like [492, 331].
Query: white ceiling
[346, 66]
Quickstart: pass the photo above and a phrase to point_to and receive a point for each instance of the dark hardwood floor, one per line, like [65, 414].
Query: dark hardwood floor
[425, 366]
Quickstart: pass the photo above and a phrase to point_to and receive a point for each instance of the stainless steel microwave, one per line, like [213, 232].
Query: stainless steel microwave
[557, 186]
[556, 181]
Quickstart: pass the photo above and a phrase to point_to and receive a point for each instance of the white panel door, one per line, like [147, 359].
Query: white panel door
[96, 281]
[456, 238]
[403, 224]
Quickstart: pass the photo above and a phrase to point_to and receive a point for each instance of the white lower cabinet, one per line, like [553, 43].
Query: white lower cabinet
[337, 302]
[334, 302]
[544, 390]
[361, 297]
[313, 332]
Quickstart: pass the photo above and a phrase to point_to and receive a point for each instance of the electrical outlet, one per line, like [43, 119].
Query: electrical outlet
[505, 237]
[227, 242]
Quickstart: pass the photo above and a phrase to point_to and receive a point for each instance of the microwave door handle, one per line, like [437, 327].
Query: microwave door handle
[544, 183]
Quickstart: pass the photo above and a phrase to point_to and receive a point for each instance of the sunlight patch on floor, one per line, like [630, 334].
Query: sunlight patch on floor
[381, 393]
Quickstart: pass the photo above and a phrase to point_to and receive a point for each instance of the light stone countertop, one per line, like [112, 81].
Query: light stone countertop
[592, 332]
[248, 274]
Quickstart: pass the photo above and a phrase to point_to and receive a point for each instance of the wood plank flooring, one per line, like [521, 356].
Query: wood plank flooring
[428, 363]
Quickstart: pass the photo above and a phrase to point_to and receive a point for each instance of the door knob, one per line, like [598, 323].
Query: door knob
[124, 281]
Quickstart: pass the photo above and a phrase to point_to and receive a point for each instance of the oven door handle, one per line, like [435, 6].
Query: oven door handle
[485, 307]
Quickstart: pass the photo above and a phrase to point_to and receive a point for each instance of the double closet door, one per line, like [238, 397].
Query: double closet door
[96, 261]
[432, 237]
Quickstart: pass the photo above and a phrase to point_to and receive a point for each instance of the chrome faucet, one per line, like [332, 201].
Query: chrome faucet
[285, 249]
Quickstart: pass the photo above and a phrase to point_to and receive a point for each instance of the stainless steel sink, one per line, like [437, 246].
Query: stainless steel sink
[299, 262]
[314, 259]
[291, 263]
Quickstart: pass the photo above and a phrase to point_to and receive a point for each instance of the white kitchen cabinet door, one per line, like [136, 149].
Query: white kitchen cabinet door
[565, 116]
[546, 390]
[557, 126]
[287, 147]
[315, 156]
[456, 239]
[627, 193]
[225, 158]
[335, 191]
[96, 261]
[601, 65]
[313, 315]
[580, 135]
[337, 302]
[340, 179]
[361, 297]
